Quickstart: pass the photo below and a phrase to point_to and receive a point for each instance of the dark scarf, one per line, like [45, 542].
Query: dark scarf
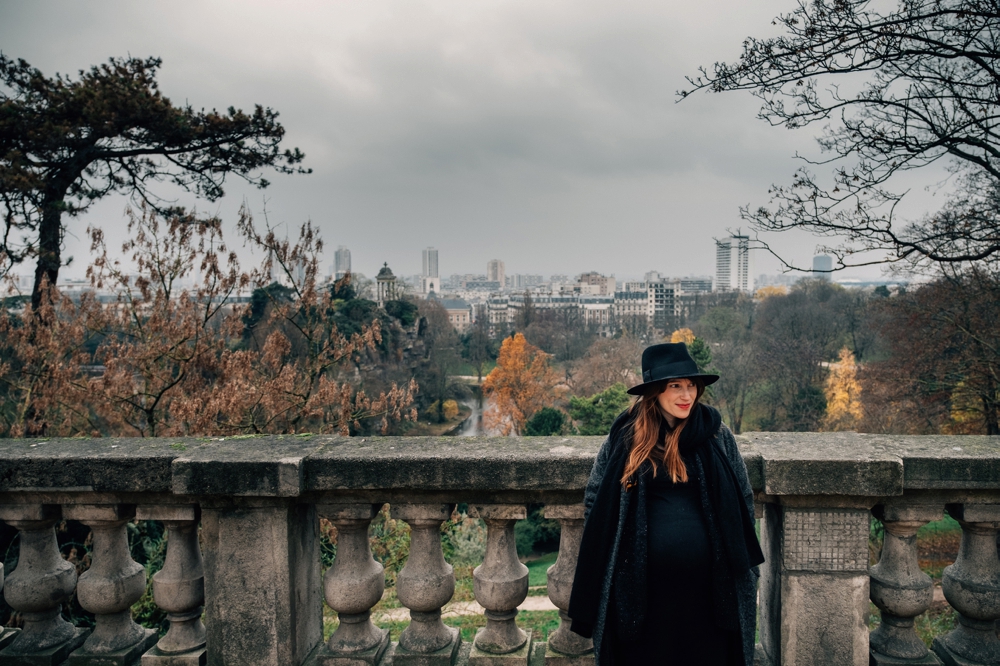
[731, 528]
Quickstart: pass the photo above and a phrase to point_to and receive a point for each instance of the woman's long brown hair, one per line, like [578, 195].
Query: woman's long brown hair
[646, 419]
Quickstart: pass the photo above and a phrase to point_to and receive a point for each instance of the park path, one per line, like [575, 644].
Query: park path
[457, 608]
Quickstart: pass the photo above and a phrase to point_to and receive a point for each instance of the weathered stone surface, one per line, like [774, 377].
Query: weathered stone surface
[127, 656]
[356, 581]
[454, 464]
[829, 479]
[108, 589]
[155, 657]
[40, 584]
[900, 590]
[943, 462]
[518, 657]
[446, 656]
[826, 464]
[425, 584]
[769, 587]
[111, 464]
[179, 587]
[376, 655]
[289, 465]
[50, 656]
[972, 586]
[255, 551]
[565, 647]
[814, 586]
[265, 467]
[554, 658]
[824, 619]
[353, 585]
[500, 584]
[929, 659]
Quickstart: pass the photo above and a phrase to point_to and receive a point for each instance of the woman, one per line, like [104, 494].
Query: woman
[667, 568]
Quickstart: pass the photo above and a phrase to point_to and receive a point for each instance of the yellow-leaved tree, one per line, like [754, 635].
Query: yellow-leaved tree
[843, 394]
[685, 335]
[770, 290]
[520, 385]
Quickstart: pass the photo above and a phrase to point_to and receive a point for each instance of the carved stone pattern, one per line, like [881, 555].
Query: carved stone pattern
[825, 540]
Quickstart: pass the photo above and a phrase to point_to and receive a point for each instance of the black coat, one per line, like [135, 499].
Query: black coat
[746, 583]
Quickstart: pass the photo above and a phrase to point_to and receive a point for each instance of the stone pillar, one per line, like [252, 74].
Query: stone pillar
[566, 648]
[109, 588]
[262, 584]
[37, 588]
[500, 584]
[972, 586]
[899, 588]
[179, 588]
[353, 585]
[425, 584]
[814, 587]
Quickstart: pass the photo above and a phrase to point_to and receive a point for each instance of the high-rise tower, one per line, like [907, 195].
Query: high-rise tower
[341, 262]
[430, 262]
[495, 272]
[733, 264]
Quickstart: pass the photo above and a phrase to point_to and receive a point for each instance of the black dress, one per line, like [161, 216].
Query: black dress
[678, 627]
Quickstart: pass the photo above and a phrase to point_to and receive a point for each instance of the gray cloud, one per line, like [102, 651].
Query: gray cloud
[544, 134]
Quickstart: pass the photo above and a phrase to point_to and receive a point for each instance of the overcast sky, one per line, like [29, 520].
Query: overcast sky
[545, 134]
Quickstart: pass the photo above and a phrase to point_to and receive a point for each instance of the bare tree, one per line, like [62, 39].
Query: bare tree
[945, 356]
[896, 90]
[735, 357]
[608, 361]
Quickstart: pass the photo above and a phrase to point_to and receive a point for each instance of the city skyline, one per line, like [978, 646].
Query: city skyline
[745, 260]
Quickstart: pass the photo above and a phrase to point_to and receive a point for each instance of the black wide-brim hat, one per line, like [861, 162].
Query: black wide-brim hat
[670, 360]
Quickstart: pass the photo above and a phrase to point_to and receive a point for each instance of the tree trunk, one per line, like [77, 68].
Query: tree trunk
[49, 247]
[990, 409]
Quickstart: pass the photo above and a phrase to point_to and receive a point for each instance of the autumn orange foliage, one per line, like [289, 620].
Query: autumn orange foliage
[164, 359]
[521, 383]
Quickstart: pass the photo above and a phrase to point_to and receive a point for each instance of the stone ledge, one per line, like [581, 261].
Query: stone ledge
[520, 468]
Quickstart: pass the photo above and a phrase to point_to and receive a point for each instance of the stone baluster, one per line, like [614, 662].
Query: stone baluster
[566, 648]
[424, 585]
[37, 588]
[352, 586]
[7, 634]
[179, 588]
[501, 585]
[972, 586]
[899, 588]
[109, 588]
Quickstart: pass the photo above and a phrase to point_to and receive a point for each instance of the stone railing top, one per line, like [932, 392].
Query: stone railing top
[522, 467]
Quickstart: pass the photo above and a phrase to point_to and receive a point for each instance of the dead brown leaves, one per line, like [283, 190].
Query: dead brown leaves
[172, 353]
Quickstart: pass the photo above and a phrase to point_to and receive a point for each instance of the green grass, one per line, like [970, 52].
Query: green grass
[542, 623]
[943, 526]
[935, 622]
[537, 569]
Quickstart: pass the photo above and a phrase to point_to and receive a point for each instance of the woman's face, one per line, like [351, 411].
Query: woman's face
[678, 398]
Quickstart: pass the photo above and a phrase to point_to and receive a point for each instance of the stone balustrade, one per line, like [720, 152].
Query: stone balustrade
[241, 584]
